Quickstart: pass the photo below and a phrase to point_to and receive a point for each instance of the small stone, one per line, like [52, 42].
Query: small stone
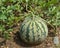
[56, 40]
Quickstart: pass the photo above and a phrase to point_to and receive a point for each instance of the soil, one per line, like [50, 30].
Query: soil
[16, 42]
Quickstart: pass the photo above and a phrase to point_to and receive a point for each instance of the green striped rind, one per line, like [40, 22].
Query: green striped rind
[33, 31]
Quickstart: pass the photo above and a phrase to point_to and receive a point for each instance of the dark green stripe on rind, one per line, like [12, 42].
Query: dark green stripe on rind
[27, 32]
[37, 31]
[33, 31]
[21, 29]
[22, 26]
[23, 32]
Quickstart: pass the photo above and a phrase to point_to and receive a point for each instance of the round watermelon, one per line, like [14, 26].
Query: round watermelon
[33, 30]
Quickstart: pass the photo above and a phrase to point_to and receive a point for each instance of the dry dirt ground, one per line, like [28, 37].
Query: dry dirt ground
[15, 42]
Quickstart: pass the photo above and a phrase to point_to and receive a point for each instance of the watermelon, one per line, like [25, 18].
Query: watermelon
[33, 30]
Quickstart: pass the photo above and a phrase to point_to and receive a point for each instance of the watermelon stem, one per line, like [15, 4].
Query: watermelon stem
[56, 26]
[32, 15]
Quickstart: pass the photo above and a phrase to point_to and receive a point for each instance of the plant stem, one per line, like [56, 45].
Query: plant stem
[26, 5]
[56, 25]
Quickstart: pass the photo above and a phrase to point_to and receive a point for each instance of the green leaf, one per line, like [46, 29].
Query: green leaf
[2, 28]
[27, 0]
[2, 17]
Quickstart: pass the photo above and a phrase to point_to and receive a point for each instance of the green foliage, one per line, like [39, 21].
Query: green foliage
[13, 11]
